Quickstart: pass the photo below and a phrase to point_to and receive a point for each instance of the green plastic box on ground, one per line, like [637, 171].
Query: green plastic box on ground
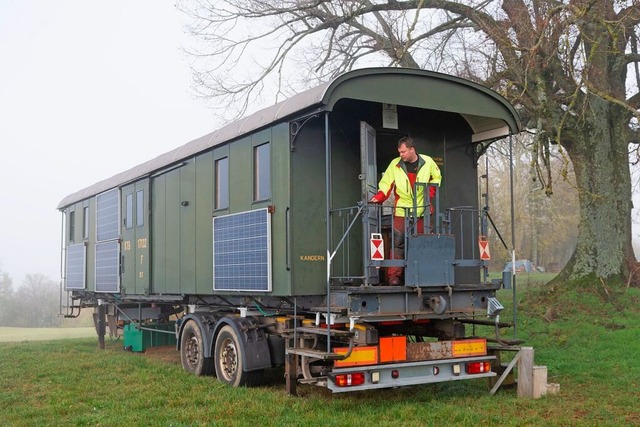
[140, 339]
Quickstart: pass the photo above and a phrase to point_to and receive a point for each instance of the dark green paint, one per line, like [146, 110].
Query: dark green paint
[179, 226]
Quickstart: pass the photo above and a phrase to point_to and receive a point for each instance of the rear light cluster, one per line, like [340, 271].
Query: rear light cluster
[349, 380]
[358, 378]
[478, 367]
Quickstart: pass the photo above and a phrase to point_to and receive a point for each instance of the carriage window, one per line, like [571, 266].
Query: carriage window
[72, 225]
[262, 173]
[139, 208]
[85, 222]
[128, 220]
[222, 184]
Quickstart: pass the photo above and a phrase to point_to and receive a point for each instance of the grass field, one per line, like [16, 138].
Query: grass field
[589, 340]
[44, 334]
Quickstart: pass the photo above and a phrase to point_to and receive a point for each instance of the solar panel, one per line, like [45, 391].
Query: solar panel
[242, 251]
[75, 269]
[107, 267]
[107, 215]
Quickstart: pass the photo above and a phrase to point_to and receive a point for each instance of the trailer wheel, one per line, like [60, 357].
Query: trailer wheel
[228, 360]
[192, 351]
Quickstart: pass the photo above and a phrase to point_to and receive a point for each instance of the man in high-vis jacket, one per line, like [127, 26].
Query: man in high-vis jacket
[400, 176]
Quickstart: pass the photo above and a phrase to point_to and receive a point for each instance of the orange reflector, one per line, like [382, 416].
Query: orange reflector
[465, 348]
[393, 349]
[478, 367]
[359, 356]
[347, 380]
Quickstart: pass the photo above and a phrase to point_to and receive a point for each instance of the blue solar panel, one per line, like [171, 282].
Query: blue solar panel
[75, 269]
[107, 267]
[242, 252]
[107, 222]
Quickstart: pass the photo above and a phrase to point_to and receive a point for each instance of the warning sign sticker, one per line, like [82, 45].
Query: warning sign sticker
[483, 244]
[377, 247]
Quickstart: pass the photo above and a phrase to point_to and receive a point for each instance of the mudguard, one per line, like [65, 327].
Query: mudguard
[255, 351]
[206, 322]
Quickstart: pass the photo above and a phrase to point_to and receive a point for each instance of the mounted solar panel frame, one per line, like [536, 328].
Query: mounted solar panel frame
[108, 215]
[107, 247]
[75, 268]
[242, 252]
[107, 273]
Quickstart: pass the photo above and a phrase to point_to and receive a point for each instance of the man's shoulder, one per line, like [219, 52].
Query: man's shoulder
[395, 162]
[428, 159]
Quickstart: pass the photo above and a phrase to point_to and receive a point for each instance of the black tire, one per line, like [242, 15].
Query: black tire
[228, 360]
[192, 351]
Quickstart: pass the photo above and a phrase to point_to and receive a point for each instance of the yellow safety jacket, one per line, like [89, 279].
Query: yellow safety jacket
[396, 178]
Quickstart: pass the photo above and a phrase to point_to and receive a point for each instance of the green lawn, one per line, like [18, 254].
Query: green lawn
[590, 346]
[43, 334]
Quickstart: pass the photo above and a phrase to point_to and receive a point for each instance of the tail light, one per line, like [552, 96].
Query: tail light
[478, 367]
[348, 380]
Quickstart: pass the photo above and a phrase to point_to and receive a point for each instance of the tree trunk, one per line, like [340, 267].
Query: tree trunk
[600, 158]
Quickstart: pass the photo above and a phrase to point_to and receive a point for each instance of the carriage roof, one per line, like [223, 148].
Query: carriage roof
[487, 113]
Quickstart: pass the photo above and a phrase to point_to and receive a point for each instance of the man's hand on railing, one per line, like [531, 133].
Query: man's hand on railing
[432, 191]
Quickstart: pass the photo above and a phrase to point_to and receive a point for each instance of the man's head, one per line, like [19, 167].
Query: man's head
[407, 149]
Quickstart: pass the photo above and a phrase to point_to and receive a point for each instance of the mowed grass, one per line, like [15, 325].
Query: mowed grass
[8, 334]
[590, 347]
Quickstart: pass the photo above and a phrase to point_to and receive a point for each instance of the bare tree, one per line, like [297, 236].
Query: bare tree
[7, 302]
[569, 66]
[38, 298]
[248, 46]
[546, 227]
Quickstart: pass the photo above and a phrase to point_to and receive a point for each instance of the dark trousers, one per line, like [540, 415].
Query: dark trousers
[398, 244]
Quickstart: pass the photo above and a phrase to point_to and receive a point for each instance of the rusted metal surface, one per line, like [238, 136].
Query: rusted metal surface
[429, 350]
[435, 350]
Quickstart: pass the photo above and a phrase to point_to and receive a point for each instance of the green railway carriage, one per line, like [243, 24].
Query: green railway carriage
[258, 237]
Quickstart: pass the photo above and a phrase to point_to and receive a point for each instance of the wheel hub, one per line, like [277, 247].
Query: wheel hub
[192, 352]
[229, 359]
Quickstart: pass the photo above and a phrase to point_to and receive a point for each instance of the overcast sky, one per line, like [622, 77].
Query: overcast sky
[87, 90]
